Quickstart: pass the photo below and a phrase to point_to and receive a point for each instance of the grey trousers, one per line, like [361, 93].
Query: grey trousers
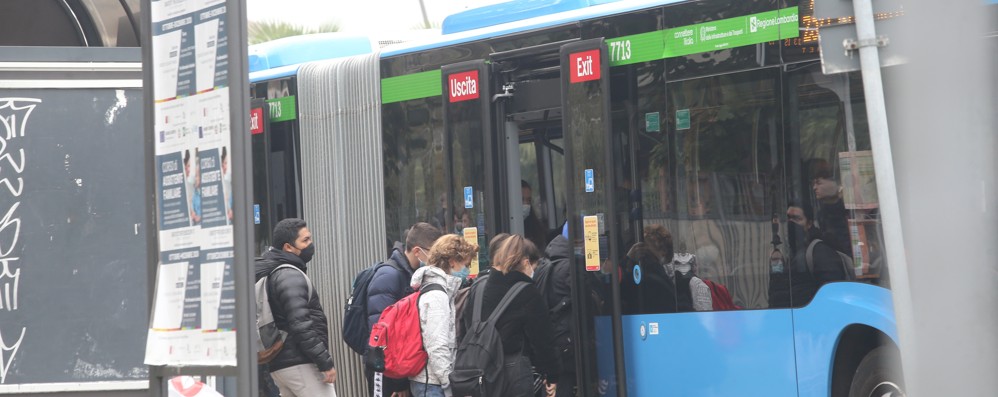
[303, 380]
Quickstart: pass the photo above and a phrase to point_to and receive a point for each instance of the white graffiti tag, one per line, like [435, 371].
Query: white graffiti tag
[14, 114]
[5, 359]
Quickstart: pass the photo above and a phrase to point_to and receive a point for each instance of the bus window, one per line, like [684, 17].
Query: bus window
[833, 209]
[708, 191]
[415, 186]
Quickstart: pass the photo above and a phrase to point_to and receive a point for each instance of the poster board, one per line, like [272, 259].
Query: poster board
[193, 311]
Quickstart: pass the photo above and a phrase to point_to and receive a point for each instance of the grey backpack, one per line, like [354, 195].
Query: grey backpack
[847, 265]
[270, 339]
[479, 363]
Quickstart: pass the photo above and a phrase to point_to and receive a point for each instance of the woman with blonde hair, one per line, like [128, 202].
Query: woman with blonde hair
[449, 256]
[524, 322]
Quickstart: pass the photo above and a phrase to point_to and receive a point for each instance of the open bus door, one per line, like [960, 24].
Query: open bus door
[467, 147]
[590, 182]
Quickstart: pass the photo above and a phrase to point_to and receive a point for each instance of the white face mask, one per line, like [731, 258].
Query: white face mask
[684, 268]
[227, 178]
[190, 179]
[526, 211]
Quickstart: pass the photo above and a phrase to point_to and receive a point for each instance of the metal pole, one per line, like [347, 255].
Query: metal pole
[242, 182]
[883, 162]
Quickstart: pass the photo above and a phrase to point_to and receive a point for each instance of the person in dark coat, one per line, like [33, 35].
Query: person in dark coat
[391, 283]
[802, 278]
[304, 366]
[534, 228]
[559, 303]
[524, 325]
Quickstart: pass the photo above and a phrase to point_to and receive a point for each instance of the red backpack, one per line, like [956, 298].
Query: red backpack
[396, 341]
[720, 296]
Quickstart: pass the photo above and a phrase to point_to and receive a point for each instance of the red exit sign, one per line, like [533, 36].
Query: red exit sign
[584, 66]
[463, 86]
[256, 121]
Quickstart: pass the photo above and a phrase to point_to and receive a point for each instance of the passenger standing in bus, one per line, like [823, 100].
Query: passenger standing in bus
[449, 256]
[533, 226]
[391, 283]
[805, 279]
[831, 224]
[525, 322]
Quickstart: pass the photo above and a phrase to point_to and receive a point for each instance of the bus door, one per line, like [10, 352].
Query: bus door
[591, 182]
[468, 155]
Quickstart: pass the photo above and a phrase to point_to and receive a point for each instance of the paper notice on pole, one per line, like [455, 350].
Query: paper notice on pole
[471, 236]
[590, 233]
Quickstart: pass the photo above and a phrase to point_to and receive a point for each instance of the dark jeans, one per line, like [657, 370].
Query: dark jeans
[518, 377]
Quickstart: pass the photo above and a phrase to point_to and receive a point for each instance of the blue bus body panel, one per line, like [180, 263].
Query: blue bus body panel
[600, 8]
[282, 57]
[819, 325]
[729, 353]
[509, 11]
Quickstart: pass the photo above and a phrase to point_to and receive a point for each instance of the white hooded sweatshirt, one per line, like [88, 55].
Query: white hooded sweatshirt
[436, 320]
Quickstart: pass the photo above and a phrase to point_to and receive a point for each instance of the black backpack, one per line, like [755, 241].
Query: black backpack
[847, 264]
[356, 331]
[478, 365]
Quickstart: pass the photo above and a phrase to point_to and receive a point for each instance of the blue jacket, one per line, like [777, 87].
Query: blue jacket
[388, 285]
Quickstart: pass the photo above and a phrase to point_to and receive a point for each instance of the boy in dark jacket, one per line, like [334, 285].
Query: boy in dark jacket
[391, 283]
[304, 366]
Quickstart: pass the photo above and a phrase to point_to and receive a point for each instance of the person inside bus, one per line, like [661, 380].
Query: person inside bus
[533, 226]
[524, 323]
[831, 223]
[805, 279]
[450, 255]
[646, 287]
[692, 293]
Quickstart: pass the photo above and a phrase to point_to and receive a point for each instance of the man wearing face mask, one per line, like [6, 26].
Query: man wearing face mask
[533, 226]
[304, 366]
[391, 283]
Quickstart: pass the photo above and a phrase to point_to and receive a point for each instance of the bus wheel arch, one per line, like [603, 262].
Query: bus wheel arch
[856, 343]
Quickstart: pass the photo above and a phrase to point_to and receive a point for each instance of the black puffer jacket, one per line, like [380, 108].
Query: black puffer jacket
[299, 315]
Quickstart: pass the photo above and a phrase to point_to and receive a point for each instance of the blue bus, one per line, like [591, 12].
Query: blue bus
[716, 187]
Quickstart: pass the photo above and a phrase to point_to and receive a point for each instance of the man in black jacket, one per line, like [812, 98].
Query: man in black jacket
[391, 283]
[304, 366]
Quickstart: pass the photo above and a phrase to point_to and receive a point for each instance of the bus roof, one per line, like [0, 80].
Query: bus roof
[282, 57]
[518, 16]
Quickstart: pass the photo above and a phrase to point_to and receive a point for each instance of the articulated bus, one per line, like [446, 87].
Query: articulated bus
[648, 130]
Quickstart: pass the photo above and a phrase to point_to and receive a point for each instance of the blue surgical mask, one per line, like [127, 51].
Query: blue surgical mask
[462, 274]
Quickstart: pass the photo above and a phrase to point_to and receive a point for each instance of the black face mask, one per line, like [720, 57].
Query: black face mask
[307, 252]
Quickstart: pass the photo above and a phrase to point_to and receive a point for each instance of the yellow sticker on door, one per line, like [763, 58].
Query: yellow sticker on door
[590, 232]
[471, 236]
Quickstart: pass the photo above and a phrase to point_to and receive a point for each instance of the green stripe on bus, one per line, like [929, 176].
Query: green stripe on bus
[411, 86]
[704, 37]
[675, 42]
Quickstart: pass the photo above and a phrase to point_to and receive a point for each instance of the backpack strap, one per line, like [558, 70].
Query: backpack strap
[809, 255]
[506, 300]
[479, 289]
[423, 289]
[290, 266]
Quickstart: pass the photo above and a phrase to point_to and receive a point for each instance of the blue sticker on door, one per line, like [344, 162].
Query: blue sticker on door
[590, 181]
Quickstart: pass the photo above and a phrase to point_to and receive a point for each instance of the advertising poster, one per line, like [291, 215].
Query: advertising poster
[859, 180]
[194, 308]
